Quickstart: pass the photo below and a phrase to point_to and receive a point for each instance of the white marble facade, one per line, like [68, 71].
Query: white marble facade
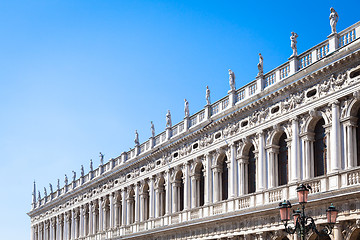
[220, 174]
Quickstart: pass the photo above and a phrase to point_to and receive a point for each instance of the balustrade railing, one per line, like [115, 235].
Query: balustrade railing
[347, 37]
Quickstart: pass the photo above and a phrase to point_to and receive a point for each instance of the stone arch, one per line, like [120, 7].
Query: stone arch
[312, 120]
[246, 145]
[352, 108]
[275, 135]
[160, 195]
[198, 183]
[354, 233]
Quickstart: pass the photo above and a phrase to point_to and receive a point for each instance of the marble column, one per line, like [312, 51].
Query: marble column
[124, 207]
[111, 211]
[295, 153]
[175, 207]
[168, 192]
[137, 203]
[185, 179]
[261, 165]
[151, 198]
[100, 214]
[242, 172]
[216, 193]
[307, 143]
[338, 232]
[233, 181]
[273, 168]
[335, 138]
[117, 206]
[208, 179]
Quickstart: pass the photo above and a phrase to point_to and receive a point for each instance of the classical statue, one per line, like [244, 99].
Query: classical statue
[91, 165]
[334, 17]
[51, 189]
[66, 180]
[232, 79]
[74, 176]
[293, 43]
[186, 108]
[152, 129]
[39, 196]
[207, 95]
[82, 171]
[101, 159]
[136, 140]
[45, 193]
[260, 65]
[58, 184]
[168, 119]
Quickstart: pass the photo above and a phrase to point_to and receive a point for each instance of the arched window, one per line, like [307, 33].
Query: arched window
[251, 174]
[179, 191]
[160, 197]
[131, 205]
[198, 185]
[320, 149]
[145, 202]
[283, 161]
[224, 180]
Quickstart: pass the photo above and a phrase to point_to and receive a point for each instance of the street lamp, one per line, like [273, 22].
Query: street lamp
[303, 223]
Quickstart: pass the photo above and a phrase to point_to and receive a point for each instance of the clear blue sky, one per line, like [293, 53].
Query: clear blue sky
[78, 77]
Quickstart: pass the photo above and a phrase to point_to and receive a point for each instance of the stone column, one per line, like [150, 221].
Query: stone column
[328, 150]
[151, 198]
[350, 143]
[338, 232]
[273, 169]
[94, 214]
[208, 179]
[68, 225]
[124, 207]
[335, 138]
[175, 201]
[295, 154]
[142, 206]
[81, 221]
[168, 192]
[233, 181]
[307, 141]
[242, 172]
[117, 206]
[194, 192]
[186, 181]
[47, 228]
[111, 209]
[261, 166]
[85, 217]
[216, 173]
[100, 215]
[137, 205]
[41, 228]
[61, 227]
[53, 228]
[76, 223]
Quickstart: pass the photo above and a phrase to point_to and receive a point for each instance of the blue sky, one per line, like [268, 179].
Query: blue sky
[78, 77]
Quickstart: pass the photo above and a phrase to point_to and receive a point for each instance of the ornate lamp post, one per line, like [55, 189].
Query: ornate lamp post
[303, 223]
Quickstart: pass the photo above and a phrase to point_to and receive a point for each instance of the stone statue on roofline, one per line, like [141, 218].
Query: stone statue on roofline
[66, 180]
[136, 140]
[152, 129]
[82, 171]
[58, 184]
[168, 119]
[232, 79]
[39, 196]
[293, 40]
[186, 108]
[207, 96]
[51, 189]
[74, 176]
[334, 17]
[101, 159]
[260, 65]
[45, 193]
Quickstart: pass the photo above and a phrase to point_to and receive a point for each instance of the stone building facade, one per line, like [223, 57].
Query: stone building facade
[220, 173]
